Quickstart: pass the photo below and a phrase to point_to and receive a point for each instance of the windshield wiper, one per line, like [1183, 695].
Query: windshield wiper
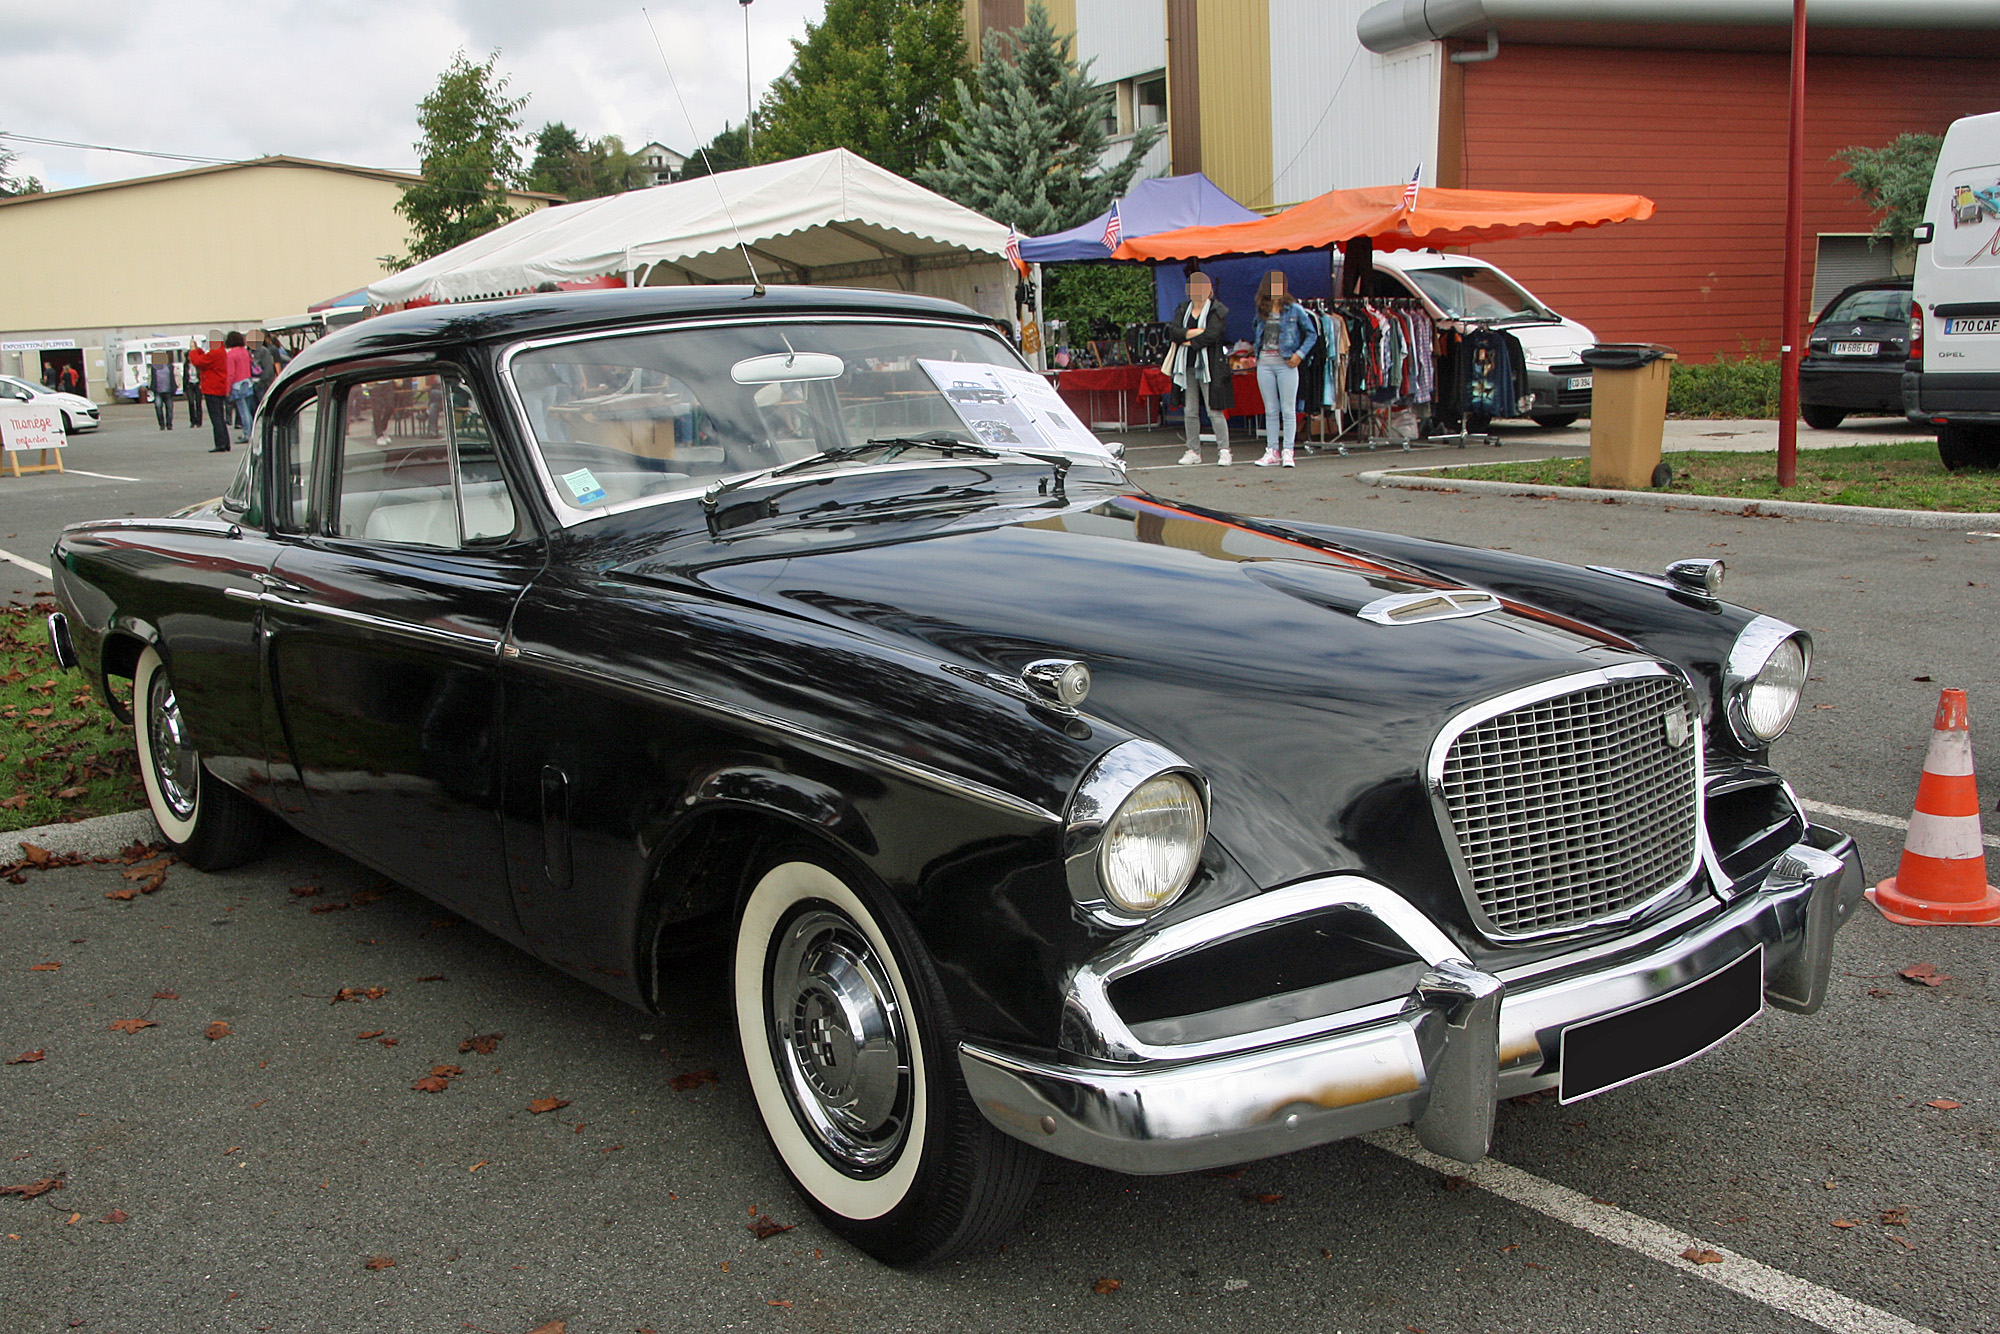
[891, 445]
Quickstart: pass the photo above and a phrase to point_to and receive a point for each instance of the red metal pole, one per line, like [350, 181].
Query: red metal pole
[1795, 181]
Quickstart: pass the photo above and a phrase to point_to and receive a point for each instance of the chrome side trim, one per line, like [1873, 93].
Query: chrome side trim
[1514, 699]
[428, 634]
[1092, 1026]
[921, 773]
[1755, 643]
[243, 594]
[1440, 604]
[1116, 775]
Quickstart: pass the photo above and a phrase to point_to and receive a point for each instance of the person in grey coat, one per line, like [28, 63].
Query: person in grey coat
[163, 394]
[1199, 363]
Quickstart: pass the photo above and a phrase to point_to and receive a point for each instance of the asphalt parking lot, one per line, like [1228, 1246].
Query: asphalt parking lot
[248, 1180]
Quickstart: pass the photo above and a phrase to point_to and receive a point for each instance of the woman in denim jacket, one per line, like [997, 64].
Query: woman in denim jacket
[1284, 334]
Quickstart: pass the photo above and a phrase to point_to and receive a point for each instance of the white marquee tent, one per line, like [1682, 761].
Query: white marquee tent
[830, 218]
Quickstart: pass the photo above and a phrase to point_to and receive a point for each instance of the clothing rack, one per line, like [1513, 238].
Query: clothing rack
[1344, 421]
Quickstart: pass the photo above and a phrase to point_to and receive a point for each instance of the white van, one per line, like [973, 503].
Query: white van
[1461, 287]
[1952, 379]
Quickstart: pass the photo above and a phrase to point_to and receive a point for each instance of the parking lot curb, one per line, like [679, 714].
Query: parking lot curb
[1872, 515]
[101, 836]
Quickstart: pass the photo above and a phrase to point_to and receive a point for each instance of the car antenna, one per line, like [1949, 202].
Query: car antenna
[756, 283]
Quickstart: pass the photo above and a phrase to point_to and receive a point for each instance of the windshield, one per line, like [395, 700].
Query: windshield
[1874, 304]
[630, 419]
[1474, 293]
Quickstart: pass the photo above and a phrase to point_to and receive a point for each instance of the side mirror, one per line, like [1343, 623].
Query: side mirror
[1923, 233]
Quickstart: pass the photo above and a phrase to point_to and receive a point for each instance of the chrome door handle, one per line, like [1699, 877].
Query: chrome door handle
[277, 585]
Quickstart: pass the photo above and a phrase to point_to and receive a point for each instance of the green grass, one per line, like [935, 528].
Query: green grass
[1904, 476]
[62, 755]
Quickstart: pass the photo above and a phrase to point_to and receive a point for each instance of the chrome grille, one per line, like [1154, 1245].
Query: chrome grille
[1573, 808]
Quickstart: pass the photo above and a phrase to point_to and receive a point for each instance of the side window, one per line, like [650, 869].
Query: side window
[294, 447]
[417, 466]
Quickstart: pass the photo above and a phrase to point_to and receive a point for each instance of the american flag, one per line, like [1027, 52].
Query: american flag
[1410, 190]
[1113, 228]
[1014, 249]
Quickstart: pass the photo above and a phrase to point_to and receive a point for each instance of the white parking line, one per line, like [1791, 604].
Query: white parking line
[25, 563]
[1870, 817]
[1774, 1288]
[107, 476]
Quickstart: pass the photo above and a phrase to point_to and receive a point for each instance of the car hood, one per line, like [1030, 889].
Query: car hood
[1563, 341]
[1237, 646]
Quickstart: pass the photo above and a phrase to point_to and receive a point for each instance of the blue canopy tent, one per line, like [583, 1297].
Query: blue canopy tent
[1169, 202]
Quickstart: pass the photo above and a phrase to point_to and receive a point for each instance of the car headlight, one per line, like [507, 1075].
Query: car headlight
[1765, 676]
[1152, 845]
[1134, 833]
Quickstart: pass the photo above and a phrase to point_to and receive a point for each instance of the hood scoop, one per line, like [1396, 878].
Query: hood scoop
[1441, 604]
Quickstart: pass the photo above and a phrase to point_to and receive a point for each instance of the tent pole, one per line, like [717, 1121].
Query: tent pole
[1041, 325]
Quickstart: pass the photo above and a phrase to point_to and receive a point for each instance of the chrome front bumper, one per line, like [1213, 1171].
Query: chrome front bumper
[1458, 1043]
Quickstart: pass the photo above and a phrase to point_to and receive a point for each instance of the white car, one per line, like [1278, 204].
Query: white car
[1461, 287]
[78, 412]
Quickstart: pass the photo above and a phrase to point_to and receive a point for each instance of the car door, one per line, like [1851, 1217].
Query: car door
[384, 626]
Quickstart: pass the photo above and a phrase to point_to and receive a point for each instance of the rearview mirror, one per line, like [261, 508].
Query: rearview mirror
[786, 367]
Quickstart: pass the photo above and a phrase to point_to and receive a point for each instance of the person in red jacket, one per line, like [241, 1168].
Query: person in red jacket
[213, 365]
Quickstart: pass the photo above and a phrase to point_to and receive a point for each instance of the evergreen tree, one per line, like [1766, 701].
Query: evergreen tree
[873, 76]
[469, 155]
[558, 149]
[726, 152]
[11, 184]
[1025, 149]
[1895, 181]
[565, 164]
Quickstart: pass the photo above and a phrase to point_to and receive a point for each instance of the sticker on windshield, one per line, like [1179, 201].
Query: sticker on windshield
[1006, 406]
[583, 486]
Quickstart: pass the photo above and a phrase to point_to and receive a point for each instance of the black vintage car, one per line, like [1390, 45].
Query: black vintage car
[1853, 365]
[1042, 815]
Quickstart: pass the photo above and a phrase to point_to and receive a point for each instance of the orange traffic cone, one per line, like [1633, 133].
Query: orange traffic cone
[1942, 878]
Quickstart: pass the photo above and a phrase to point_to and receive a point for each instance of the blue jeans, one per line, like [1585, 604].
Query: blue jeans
[1279, 384]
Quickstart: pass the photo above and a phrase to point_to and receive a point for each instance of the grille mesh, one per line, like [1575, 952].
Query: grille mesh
[1573, 808]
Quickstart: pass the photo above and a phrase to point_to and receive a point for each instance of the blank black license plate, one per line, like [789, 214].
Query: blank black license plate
[1658, 1034]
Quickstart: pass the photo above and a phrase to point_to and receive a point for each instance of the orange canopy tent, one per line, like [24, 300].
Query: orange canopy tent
[1440, 218]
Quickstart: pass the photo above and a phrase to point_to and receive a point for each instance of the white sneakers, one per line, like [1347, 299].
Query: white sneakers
[1222, 458]
[1288, 460]
[1270, 459]
[1192, 457]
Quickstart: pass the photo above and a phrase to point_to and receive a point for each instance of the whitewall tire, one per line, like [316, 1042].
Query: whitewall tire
[208, 825]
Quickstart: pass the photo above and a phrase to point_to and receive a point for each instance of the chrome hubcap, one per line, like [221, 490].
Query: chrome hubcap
[840, 1040]
[176, 767]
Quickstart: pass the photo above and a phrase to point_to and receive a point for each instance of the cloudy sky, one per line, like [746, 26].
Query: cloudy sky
[340, 79]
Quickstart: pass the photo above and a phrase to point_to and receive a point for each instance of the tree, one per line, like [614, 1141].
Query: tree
[725, 152]
[873, 76]
[1894, 181]
[469, 154]
[1025, 150]
[11, 184]
[566, 165]
[558, 150]
[1080, 295]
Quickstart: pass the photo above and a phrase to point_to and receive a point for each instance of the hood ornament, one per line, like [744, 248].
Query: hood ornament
[1063, 682]
[1442, 604]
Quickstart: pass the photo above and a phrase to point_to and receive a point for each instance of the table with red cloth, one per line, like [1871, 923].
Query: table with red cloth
[1134, 391]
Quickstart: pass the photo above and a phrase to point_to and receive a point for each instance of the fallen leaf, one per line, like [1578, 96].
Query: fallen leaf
[327, 907]
[388, 1042]
[1532, 1265]
[71, 793]
[307, 891]
[775, 1302]
[767, 1228]
[1701, 1257]
[1456, 1183]
[130, 1025]
[1104, 1287]
[1924, 974]
[1510, 1246]
[378, 1262]
[359, 994]
[1944, 1104]
[27, 1057]
[433, 977]
[1904, 1242]
[476, 1166]
[540, 1105]
[46, 968]
[122, 895]
[217, 1030]
[484, 1044]
[551, 1327]
[35, 856]
[34, 1188]
[115, 1216]
[73, 1220]
[1846, 1222]
[1270, 1197]
[447, 1071]
[431, 1084]
[693, 1079]
[1877, 992]
[370, 1033]
[1898, 1217]
[166, 995]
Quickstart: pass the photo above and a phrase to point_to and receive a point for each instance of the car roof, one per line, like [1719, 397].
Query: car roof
[559, 312]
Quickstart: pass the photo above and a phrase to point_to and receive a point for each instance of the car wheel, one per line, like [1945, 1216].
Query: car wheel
[1555, 421]
[1821, 418]
[208, 824]
[69, 427]
[847, 1043]
[1963, 446]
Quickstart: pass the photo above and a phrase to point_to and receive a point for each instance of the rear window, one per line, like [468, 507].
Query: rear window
[1873, 304]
